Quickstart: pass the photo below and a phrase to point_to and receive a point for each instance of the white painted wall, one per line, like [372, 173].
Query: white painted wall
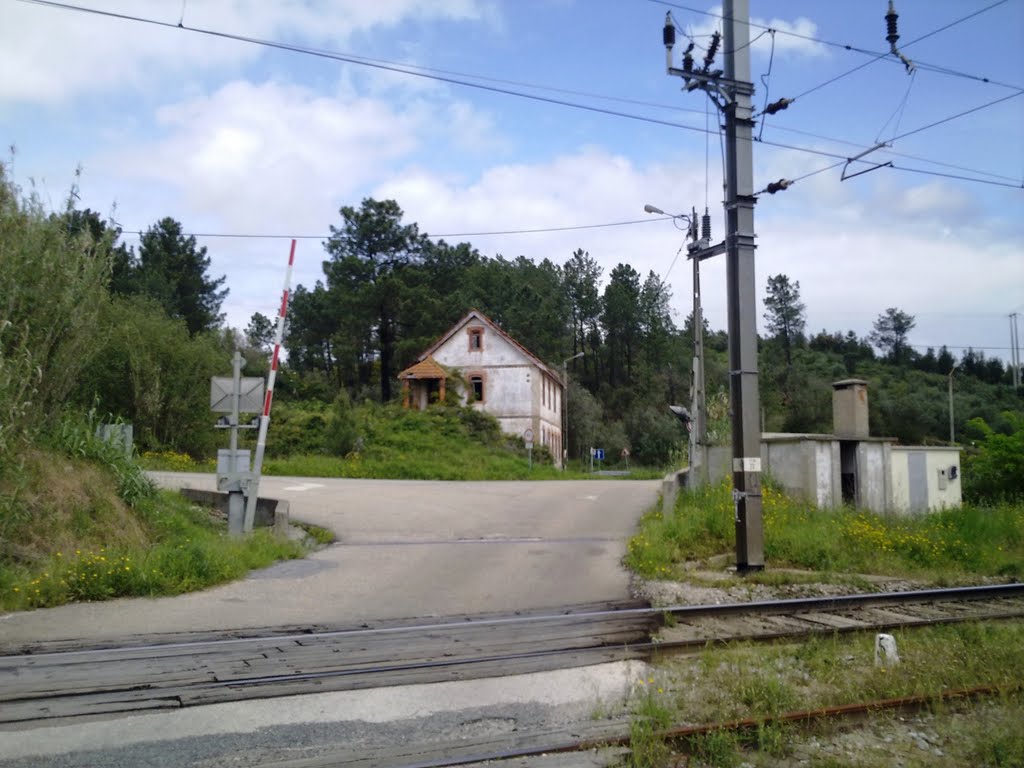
[938, 461]
[514, 386]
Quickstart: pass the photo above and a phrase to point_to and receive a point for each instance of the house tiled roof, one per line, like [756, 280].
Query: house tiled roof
[426, 368]
[475, 314]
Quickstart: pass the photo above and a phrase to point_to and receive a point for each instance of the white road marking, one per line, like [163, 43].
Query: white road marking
[303, 487]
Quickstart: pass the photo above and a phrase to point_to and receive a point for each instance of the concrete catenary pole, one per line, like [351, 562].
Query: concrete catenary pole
[261, 441]
[742, 299]
[1014, 350]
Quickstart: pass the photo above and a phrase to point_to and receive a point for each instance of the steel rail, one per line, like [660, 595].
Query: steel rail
[620, 650]
[679, 612]
[839, 602]
[682, 733]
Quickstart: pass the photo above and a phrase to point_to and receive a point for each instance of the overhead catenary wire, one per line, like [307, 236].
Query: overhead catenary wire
[856, 49]
[441, 78]
[889, 150]
[886, 54]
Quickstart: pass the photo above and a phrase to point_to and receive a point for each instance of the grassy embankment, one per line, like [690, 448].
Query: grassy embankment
[945, 547]
[80, 521]
[441, 443]
[804, 543]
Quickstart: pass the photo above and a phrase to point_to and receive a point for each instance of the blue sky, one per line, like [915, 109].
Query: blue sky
[233, 137]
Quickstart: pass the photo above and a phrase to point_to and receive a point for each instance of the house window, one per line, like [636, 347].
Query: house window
[476, 339]
[476, 383]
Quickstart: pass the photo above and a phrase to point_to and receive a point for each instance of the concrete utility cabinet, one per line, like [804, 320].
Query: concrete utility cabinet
[850, 409]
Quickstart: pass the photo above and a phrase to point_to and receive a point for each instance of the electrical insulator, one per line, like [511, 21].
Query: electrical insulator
[688, 62]
[705, 226]
[778, 186]
[668, 34]
[710, 58]
[777, 106]
[890, 26]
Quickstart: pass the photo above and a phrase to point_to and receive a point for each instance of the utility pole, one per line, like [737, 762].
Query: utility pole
[952, 433]
[731, 91]
[1015, 350]
[698, 251]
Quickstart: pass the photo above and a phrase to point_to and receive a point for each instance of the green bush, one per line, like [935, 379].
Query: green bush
[994, 467]
[52, 282]
[342, 429]
[153, 374]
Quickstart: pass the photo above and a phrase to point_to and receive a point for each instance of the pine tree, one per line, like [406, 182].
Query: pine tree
[785, 315]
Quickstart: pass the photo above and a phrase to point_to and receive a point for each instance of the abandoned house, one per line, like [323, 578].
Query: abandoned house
[501, 377]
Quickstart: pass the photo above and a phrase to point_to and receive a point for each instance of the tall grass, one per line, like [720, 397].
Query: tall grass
[182, 549]
[969, 540]
[742, 681]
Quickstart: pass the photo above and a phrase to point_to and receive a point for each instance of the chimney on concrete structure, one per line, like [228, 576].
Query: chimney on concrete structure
[850, 408]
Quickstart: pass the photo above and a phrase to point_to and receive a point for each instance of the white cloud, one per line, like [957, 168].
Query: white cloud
[59, 54]
[252, 154]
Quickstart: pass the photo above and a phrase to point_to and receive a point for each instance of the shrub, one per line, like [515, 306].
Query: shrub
[342, 431]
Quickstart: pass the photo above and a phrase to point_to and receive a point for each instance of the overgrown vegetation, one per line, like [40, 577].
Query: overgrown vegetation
[79, 520]
[946, 546]
[101, 550]
[759, 682]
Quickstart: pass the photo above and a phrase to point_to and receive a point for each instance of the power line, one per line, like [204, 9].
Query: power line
[865, 51]
[890, 151]
[256, 236]
[443, 78]
[904, 47]
[958, 114]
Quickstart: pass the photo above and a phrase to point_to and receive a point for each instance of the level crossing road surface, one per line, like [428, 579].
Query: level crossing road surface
[406, 549]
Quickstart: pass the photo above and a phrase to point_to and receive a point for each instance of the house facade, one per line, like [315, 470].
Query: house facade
[501, 377]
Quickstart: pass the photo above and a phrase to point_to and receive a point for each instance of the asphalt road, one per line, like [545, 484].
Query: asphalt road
[407, 549]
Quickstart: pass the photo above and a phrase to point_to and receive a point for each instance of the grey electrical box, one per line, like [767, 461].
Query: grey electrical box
[943, 480]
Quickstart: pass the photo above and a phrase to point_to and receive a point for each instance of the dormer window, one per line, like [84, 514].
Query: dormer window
[476, 339]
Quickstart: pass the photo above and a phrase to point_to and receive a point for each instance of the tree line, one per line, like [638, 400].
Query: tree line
[137, 332]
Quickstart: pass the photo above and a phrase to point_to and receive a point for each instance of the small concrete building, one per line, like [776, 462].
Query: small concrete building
[852, 467]
[501, 377]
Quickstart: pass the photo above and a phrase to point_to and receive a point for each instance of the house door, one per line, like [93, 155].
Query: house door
[848, 470]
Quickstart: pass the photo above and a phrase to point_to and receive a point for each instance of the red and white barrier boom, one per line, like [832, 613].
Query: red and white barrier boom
[261, 441]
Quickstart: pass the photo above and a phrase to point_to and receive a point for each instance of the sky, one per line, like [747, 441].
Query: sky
[180, 118]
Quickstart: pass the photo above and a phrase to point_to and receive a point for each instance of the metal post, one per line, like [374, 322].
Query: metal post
[236, 499]
[1014, 350]
[742, 299]
[952, 438]
[565, 409]
[565, 415]
[698, 429]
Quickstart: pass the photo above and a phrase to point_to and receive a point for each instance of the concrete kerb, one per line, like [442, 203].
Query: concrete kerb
[270, 513]
[670, 486]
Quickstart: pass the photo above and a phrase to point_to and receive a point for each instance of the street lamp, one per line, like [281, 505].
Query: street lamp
[696, 252]
[565, 408]
[951, 435]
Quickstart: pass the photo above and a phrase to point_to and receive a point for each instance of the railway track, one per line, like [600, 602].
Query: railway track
[64, 682]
